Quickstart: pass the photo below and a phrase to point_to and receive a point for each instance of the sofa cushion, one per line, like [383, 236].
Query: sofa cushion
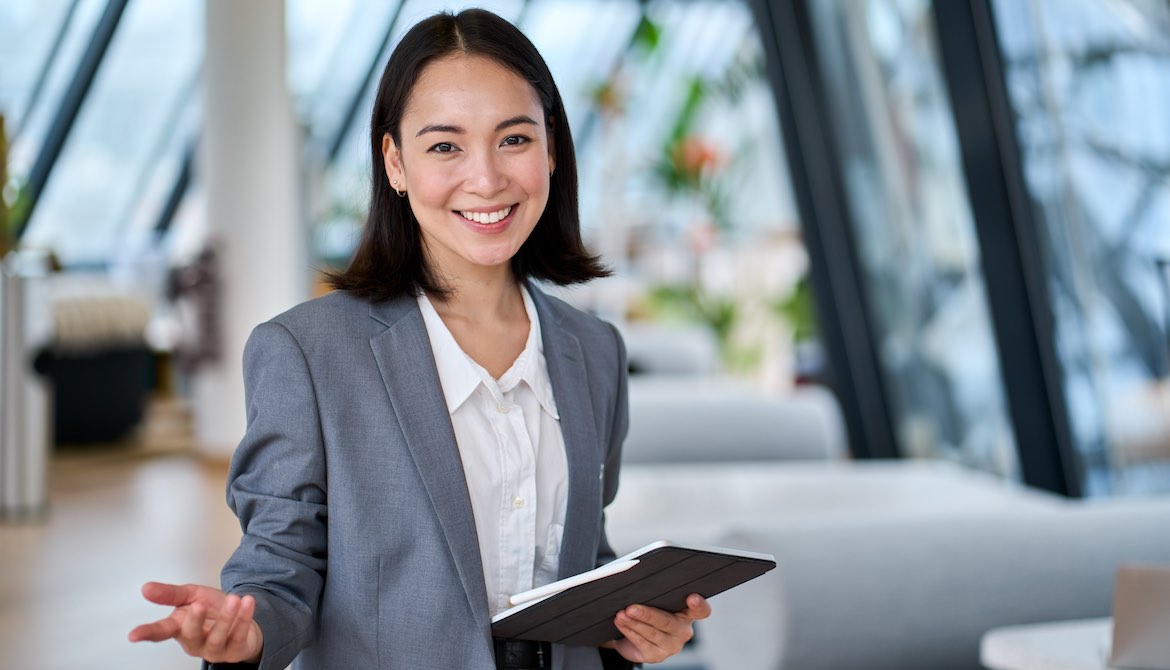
[708, 419]
[699, 502]
[919, 592]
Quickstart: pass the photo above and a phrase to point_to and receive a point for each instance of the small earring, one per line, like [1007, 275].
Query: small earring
[394, 185]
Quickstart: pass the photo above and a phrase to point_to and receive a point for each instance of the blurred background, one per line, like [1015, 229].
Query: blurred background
[923, 236]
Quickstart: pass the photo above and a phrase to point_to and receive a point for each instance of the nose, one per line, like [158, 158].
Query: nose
[486, 175]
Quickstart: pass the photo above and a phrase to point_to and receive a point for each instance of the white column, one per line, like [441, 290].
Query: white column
[248, 164]
[25, 411]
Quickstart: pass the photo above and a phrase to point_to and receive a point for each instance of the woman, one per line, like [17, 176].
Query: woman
[437, 434]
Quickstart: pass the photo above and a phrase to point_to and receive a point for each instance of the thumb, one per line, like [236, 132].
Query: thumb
[697, 608]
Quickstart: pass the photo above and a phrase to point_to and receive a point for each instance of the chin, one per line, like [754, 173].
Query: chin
[493, 257]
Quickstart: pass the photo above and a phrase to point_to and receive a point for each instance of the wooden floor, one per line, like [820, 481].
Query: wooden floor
[69, 584]
[119, 515]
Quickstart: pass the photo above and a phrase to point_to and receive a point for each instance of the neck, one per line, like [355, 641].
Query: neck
[480, 299]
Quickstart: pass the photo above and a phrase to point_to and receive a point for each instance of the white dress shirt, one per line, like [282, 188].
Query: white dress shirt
[509, 436]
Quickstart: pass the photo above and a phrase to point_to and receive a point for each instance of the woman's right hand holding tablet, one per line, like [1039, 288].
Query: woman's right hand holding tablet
[209, 624]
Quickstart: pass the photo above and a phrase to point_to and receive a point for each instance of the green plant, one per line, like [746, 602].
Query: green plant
[5, 222]
[13, 197]
[720, 313]
[647, 35]
[691, 164]
[796, 309]
[691, 303]
[694, 165]
[608, 95]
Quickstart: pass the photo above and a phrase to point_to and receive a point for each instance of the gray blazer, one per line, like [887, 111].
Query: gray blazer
[359, 541]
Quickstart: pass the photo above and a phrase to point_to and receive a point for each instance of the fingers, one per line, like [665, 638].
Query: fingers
[158, 631]
[163, 629]
[168, 594]
[651, 618]
[242, 628]
[191, 635]
[653, 635]
[206, 622]
[225, 618]
[636, 646]
[231, 634]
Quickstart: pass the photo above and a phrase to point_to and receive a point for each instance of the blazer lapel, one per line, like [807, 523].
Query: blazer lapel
[406, 363]
[570, 384]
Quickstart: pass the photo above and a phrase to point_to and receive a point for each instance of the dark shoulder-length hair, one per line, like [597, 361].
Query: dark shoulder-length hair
[389, 260]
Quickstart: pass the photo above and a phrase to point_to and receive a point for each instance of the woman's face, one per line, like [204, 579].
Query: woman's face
[475, 162]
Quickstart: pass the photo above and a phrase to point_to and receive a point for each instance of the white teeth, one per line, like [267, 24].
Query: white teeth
[487, 217]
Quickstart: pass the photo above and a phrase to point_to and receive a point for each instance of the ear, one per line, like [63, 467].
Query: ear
[392, 160]
[552, 145]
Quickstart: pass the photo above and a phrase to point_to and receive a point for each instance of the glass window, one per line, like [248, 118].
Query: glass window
[131, 129]
[682, 182]
[330, 46]
[1090, 85]
[683, 186]
[915, 236]
[41, 43]
[341, 200]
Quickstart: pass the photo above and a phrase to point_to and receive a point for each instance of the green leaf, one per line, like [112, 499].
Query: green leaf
[647, 35]
[798, 311]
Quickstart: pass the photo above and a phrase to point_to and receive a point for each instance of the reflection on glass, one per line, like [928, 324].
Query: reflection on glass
[139, 104]
[681, 175]
[586, 42]
[914, 231]
[343, 192]
[593, 50]
[28, 34]
[1090, 85]
[330, 46]
[41, 43]
[683, 185]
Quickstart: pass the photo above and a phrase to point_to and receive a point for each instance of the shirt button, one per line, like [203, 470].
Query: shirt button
[517, 502]
[503, 409]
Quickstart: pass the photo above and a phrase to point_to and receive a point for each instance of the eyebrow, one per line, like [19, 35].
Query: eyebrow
[522, 119]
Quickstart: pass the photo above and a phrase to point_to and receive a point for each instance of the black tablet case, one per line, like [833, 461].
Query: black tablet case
[663, 578]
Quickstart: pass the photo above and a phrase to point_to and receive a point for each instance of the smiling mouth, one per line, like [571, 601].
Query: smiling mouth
[487, 217]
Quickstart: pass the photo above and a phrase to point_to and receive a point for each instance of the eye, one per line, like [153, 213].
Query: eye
[443, 148]
[515, 140]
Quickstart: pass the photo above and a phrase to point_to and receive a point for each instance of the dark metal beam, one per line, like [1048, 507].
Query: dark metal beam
[178, 190]
[355, 102]
[1008, 227]
[817, 184]
[71, 103]
[34, 95]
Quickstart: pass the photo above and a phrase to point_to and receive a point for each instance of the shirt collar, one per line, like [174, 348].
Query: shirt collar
[457, 377]
[530, 367]
[460, 376]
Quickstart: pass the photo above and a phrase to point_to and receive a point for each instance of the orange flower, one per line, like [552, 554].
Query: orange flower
[694, 156]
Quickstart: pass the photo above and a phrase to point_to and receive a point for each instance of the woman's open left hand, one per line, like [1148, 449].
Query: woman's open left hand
[208, 623]
[653, 635]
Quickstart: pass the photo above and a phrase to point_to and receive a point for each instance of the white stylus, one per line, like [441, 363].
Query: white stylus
[569, 582]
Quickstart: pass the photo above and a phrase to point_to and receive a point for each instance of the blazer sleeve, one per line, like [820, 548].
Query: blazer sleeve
[277, 488]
